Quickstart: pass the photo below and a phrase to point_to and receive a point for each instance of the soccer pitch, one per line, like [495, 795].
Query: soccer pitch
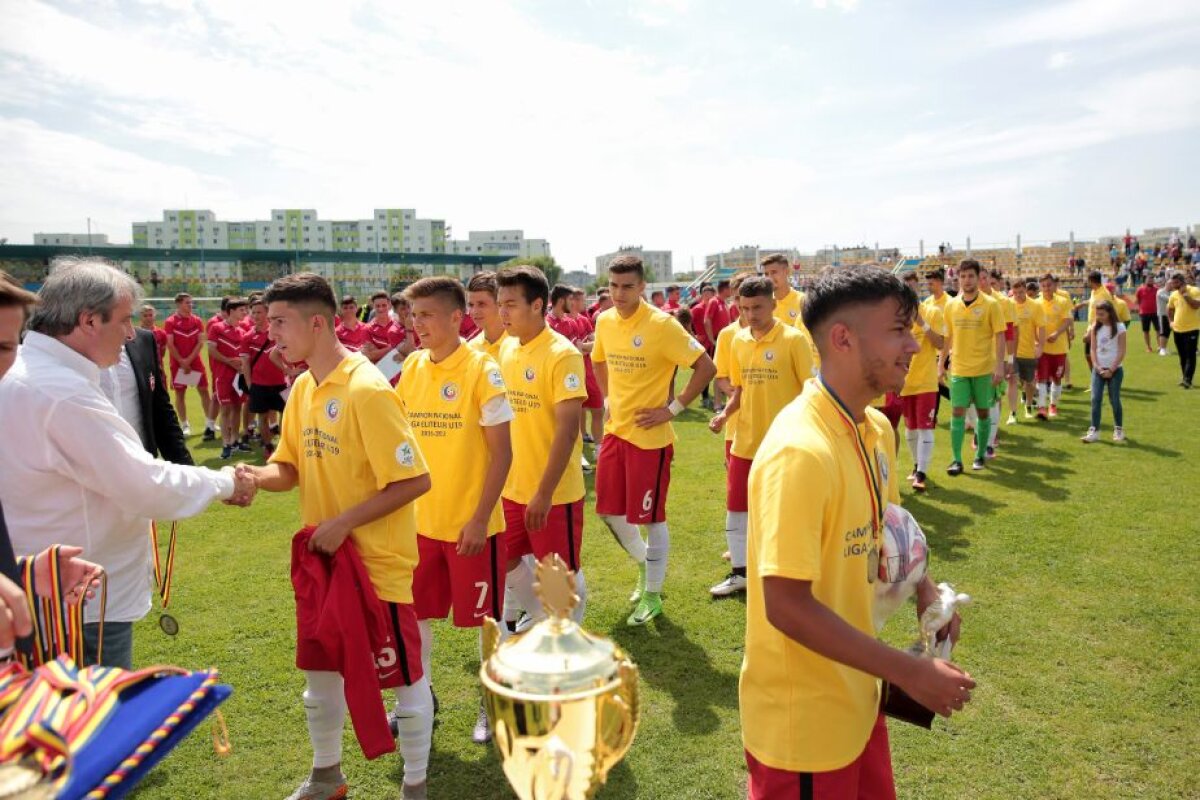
[1083, 634]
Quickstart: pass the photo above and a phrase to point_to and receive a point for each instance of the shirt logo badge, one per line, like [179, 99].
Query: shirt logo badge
[792, 313]
[881, 459]
[494, 378]
[769, 355]
[692, 343]
[152, 383]
[404, 455]
[571, 382]
[332, 409]
[449, 391]
[529, 374]
[637, 341]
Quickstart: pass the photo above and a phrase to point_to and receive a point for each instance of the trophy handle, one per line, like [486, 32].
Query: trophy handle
[551, 776]
[628, 706]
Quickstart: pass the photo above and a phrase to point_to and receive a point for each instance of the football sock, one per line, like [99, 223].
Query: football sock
[958, 432]
[325, 710]
[924, 450]
[414, 718]
[426, 629]
[659, 542]
[1043, 392]
[1055, 393]
[627, 535]
[913, 439]
[519, 587]
[982, 430]
[995, 418]
[735, 537]
[581, 592]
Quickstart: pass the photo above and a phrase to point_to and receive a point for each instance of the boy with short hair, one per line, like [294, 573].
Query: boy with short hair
[225, 356]
[185, 341]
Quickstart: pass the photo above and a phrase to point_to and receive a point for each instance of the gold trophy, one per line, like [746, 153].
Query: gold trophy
[563, 703]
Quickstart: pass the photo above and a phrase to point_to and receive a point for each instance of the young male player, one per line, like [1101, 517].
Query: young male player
[788, 301]
[148, 317]
[975, 332]
[185, 340]
[213, 409]
[561, 321]
[455, 401]
[381, 329]
[1059, 319]
[636, 353]
[1183, 310]
[935, 280]
[346, 443]
[593, 406]
[225, 356]
[770, 363]
[266, 368]
[998, 293]
[1031, 338]
[481, 305]
[543, 497]
[919, 396]
[352, 332]
[809, 690]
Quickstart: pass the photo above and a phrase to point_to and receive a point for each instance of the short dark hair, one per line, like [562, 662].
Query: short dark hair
[739, 278]
[970, 265]
[225, 302]
[600, 293]
[937, 274]
[997, 275]
[1095, 277]
[1178, 275]
[236, 302]
[775, 258]
[1049, 276]
[722, 284]
[626, 264]
[483, 282]
[706, 287]
[835, 289]
[439, 285]
[684, 316]
[756, 286]
[381, 295]
[559, 292]
[398, 299]
[1031, 285]
[672, 288]
[578, 290]
[253, 296]
[12, 294]
[531, 281]
[179, 298]
[348, 299]
[303, 288]
[657, 293]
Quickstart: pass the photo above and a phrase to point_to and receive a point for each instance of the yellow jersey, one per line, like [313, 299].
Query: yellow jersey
[817, 492]
[348, 439]
[940, 302]
[539, 375]
[721, 359]
[444, 402]
[480, 343]
[1054, 313]
[1186, 319]
[972, 330]
[771, 371]
[790, 308]
[1100, 293]
[922, 375]
[1030, 320]
[641, 355]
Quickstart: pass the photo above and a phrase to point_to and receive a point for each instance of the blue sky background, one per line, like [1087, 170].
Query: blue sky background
[677, 124]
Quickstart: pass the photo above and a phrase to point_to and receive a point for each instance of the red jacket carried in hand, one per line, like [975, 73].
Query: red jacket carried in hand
[342, 626]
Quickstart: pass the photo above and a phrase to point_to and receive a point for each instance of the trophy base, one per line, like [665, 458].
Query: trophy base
[897, 704]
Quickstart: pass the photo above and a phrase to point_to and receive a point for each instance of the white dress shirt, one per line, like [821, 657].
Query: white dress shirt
[72, 471]
[120, 386]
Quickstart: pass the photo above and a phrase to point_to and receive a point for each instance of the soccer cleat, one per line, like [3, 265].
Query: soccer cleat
[1041, 412]
[321, 790]
[1053, 411]
[978, 464]
[226, 452]
[209, 435]
[1162, 351]
[732, 584]
[649, 607]
[483, 727]
[275, 429]
[1028, 413]
[955, 468]
[912, 476]
[990, 452]
[1012, 418]
[587, 439]
[640, 590]
[583, 462]
[1091, 436]
[919, 482]
[526, 622]
[187, 429]
[244, 447]
[1118, 434]
[1068, 386]
[415, 791]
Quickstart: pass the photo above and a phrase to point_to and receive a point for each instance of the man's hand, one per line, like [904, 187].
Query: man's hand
[717, 422]
[185, 367]
[1052, 337]
[80, 578]
[536, 512]
[998, 375]
[472, 538]
[14, 613]
[653, 417]
[244, 485]
[328, 536]
[941, 686]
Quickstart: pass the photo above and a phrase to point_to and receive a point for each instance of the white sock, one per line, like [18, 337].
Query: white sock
[735, 537]
[512, 604]
[924, 450]
[325, 709]
[581, 591]
[209, 422]
[1043, 391]
[414, 718]
[657, 546]
[913, 437]
[426, 629]
[1055, 393]
[520, 585]
[628, 536]
[995, 417]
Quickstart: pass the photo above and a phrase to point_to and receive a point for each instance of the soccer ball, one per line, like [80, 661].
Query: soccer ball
[902, 564]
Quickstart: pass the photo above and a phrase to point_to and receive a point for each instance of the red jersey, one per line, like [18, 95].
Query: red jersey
[263, 371]
[246, 324]
[228, 339]
[213, 320]
[185, 332]
[400, 333]
[717, 314]
[468, 328]
[160, 341]
[563, 325]
[353, 338]
[584, 325]
[380, 336]
[698, 312]
[1147, 297]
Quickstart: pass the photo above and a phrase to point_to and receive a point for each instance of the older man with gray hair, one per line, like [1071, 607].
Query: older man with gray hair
[72, 470]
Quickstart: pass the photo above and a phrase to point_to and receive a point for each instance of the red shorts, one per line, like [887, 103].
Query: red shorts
[1010, 332]
[920, 411]
[197, 366]
[1050, 367]
[892, 408]
[869, 775]
[402, 649]
[472, 585]
[594, 398]
[563, 533]
[226, 394]
[737, 481]
[633, 482]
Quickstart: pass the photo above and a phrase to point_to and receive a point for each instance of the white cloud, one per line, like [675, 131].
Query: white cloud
[1078, 20]
[844, 6]
[1060, 60]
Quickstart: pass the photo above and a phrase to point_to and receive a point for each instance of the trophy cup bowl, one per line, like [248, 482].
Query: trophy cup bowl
[563, 703]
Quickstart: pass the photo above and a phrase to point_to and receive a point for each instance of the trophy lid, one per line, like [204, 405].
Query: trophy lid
[556, 656]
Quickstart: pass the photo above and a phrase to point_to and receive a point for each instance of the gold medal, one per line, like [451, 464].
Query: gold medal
[872, 564]
[169, 625]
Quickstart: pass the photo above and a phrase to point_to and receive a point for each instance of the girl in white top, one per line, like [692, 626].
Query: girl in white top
[1107, 338]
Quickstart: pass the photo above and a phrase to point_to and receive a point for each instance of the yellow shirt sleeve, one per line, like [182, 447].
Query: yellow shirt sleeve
[569, 377]
[735, 367]
[788, 522]
[598, 342]
[488, 383]
[678, 346]
[802, 359]
[392, 449]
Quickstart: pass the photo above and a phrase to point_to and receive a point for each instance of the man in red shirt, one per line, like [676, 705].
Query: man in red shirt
[381, 329]
[1147, 308]
[558, 319]
[185, 337]
[225, 356]
[213, 410]
[267, 380]
[160, 336]
[351, 331]
[672, 304]
[658, 299]
[715, 319]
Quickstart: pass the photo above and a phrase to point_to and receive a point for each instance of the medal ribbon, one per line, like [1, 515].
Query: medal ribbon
[57, 625]
[873, 483]
[164, 573]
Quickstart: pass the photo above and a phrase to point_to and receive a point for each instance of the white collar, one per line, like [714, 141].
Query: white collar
[57, 351]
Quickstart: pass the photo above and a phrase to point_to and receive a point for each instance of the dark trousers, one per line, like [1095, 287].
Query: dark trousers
[1185, 343]
[118, 644]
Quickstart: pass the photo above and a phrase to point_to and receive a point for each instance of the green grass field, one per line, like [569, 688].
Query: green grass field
[1083, 636]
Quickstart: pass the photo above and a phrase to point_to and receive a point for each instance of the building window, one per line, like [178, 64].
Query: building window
[281, 241]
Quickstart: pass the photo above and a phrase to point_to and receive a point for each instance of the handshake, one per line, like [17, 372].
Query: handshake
[245, 484]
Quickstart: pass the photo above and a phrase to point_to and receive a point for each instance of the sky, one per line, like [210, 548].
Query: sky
[683, 125]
